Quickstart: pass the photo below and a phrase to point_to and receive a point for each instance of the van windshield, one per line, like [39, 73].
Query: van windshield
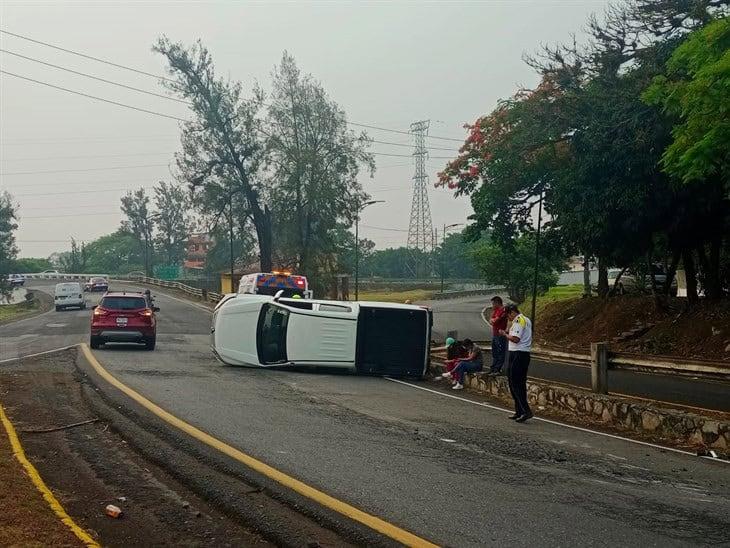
[271, 334]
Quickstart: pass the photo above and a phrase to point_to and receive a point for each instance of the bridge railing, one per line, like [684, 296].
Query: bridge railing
[209, 296]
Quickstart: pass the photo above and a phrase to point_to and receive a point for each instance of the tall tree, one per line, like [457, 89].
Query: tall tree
[8, 249]
[222, 145]
[315, 163]
[140, 223]
[172, 220]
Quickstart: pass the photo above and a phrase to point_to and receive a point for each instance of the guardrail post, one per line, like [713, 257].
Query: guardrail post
[599, 367]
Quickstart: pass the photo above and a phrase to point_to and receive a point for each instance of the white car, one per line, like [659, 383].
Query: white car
[365, 337]
[16, 280]
[69, 295]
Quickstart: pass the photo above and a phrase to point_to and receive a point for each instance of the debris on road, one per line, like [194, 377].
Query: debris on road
[113, 511]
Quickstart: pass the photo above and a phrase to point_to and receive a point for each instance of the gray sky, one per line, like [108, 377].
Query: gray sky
[386, 64]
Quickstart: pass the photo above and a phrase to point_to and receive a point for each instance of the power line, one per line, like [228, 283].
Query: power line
[174, 82]
[87, 56]
[408, 145]
[99, 214]
[81, 170]
[97, 78]
[74, 183]
[93, 97]
[383, 228]
[87, 157]
[80, 191]
[404, 132]
[410, 156]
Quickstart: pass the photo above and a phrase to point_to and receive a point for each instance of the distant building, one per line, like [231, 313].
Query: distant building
[196, 251]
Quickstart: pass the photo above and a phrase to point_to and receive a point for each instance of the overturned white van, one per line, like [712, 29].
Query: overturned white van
[365, 337]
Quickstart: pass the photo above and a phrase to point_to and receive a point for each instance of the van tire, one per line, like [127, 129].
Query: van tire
[58, 308]
[83, 306]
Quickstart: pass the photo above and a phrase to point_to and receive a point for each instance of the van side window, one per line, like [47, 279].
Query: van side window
[334, 308]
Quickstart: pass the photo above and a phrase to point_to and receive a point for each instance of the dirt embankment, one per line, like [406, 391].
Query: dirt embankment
[634, 324]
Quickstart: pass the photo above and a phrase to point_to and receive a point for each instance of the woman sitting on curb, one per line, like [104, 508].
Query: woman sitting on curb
[473, 362]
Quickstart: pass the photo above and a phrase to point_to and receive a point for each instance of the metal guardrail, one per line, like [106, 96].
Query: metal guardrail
[470, 293]
[625, 361]
[209, 296]
[62, 276]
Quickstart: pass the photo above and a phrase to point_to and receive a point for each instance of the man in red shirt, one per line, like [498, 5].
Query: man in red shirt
[498, 321]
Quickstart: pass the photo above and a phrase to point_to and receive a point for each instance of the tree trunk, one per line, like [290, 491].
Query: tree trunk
[602, 278]
[671, 272]
[691, 273]
[616, 282]
[262, 223]
[652, 277]
[586, 276]
[711, 268]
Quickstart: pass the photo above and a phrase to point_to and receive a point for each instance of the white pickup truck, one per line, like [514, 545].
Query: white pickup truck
[364, 337]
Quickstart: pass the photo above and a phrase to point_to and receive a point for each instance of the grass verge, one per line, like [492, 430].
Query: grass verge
[554, 294]
[395, 296]
[8, 312]
[26, 518]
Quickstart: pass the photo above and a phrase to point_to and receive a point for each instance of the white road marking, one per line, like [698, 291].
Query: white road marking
[61, 349]
[56, 324]
[447, 440]
[556, 423]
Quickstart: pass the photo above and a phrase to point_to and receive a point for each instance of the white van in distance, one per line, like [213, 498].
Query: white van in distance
[69, 295]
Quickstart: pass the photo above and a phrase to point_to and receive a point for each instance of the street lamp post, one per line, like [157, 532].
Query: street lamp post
[537, 261]
[357, 243]
[443, 242]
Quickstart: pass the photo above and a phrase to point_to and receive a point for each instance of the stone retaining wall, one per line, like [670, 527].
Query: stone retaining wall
[681, 427]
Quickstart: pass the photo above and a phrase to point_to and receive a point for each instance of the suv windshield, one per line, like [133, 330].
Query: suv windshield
[123, 303]
[271, 334]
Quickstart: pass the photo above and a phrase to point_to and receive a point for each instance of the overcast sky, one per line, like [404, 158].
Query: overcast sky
[386, 64]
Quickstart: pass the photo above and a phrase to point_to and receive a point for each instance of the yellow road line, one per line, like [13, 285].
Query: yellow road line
[381, 526]
[35, 477]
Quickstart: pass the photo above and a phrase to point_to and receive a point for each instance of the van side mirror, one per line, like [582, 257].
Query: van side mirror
[279, 295]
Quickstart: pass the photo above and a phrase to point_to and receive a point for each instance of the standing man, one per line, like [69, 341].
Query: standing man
[520, 344]
[498, 321]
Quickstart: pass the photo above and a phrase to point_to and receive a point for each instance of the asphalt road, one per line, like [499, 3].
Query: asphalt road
[447, 469]
[465, 316]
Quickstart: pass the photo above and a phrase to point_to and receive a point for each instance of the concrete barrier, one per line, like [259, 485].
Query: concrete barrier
[679, 426]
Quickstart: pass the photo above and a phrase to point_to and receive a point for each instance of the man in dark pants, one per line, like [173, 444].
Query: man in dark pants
[498, 321]
[520, 344]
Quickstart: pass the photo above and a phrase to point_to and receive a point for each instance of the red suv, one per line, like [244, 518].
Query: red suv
[124, 317]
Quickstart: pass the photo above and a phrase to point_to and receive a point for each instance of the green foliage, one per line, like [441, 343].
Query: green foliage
[31, 265]
[8, 249]
[172, 220]
[696, 91]
[140, 223]
[514, 267]
[117, 253]
[315, 162]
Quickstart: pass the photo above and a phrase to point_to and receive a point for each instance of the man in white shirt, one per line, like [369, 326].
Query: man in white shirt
[520, 344]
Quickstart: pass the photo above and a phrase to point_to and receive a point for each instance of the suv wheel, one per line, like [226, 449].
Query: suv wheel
[58, 308]
[95, 342]
[149, 344]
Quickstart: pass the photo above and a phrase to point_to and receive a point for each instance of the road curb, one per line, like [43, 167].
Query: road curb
[39, 484]
[271, 475]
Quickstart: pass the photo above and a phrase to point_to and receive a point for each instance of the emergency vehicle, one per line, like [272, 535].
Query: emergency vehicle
[270, 283]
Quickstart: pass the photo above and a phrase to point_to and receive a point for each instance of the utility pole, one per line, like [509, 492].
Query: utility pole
[443, 250]
[420, 226]
[537, 260]
[230, 238]
[357, 243]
